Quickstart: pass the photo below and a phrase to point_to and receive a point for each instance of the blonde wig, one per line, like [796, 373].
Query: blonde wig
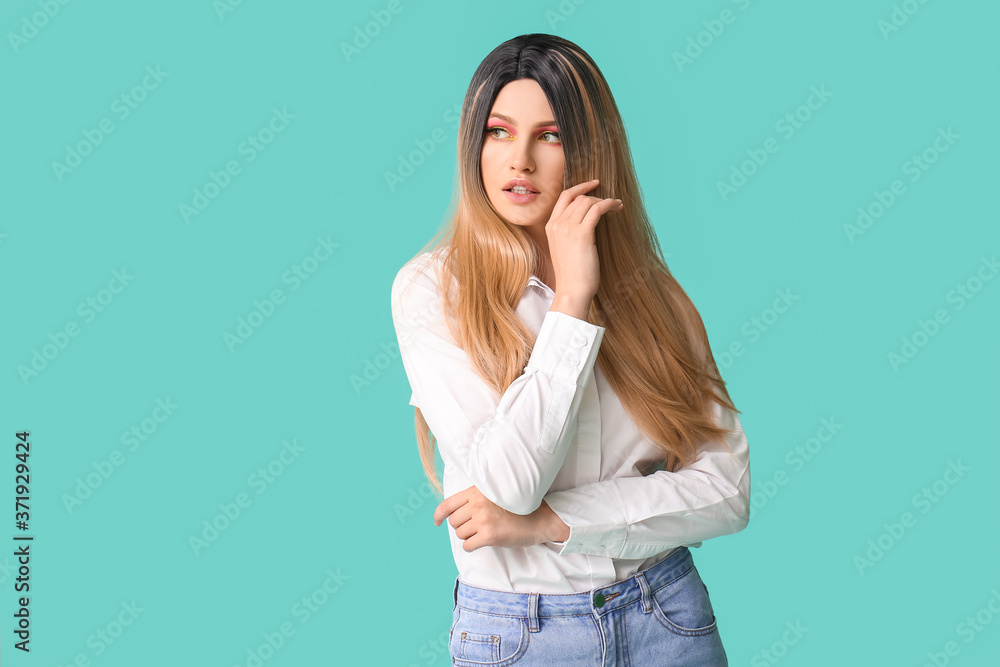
[655, 351]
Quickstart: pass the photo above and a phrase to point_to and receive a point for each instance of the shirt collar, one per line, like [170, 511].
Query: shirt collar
[534, 280]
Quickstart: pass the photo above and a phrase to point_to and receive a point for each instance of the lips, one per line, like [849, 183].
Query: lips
[514, 182]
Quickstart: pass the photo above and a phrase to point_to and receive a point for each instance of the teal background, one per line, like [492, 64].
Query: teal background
[354, 501]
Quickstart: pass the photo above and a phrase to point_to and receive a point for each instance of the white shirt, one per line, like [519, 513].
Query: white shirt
[559, 434]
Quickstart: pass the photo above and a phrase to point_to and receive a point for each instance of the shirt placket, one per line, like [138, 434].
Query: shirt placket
[589, 446]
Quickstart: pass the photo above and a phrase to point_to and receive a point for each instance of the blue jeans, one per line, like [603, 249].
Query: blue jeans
[659, 616]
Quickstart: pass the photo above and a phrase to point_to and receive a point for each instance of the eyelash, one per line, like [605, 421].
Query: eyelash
[490, 131]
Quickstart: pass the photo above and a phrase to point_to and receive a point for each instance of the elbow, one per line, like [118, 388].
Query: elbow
[736, 517]
[516, 491]
[741, 506]
[516, 503]
[741, 520]
[520, 505]
[735, 508]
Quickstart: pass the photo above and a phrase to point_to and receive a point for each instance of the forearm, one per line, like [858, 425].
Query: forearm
[511, 448]
[551, 527]
[572, 305]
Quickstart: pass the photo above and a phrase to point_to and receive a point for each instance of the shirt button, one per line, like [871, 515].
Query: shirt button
[576, 362]
[581, 341]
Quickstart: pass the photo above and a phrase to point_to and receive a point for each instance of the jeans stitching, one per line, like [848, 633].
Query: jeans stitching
[522, 647]
[673, 627]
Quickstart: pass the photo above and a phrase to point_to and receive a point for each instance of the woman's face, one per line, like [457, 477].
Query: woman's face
[521, 141]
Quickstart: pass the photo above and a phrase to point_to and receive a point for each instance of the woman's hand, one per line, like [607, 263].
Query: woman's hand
[572, 249]
[482, 523]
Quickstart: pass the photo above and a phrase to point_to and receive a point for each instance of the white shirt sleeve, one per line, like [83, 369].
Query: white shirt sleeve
[511, 446]
[639, 517]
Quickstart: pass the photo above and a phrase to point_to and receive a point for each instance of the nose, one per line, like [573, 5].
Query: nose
[521, 158]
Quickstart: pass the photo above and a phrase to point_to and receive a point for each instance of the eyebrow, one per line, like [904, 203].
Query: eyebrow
[511, 120]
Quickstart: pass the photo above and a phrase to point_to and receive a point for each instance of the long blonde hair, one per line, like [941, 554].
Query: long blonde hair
[655, 351]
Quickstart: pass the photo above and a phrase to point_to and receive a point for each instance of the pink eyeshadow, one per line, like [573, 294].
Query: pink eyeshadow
[500, 123]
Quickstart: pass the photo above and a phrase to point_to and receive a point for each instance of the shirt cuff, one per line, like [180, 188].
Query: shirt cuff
[597, 523]
[566, 348]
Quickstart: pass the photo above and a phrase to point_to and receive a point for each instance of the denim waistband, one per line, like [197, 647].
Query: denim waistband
[597, 601]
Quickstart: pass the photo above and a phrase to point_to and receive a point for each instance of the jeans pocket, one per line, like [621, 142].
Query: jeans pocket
[683, 605]
[479, 639]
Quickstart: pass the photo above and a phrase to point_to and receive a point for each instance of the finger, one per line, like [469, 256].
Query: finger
[583, 205]
[577, 208]
[438, 513]
[446, 507]
[460, 516]
[599, 209]
[570, 193]
[467, 530]
[473, 542]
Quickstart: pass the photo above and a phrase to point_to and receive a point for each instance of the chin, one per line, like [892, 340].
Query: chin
[521, 220]
[520, 216]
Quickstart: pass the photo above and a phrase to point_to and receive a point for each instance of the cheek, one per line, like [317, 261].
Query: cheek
[557, 166]
[487, 164]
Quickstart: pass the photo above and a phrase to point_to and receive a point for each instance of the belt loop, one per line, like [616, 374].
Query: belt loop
[533, 612]
[454, 595]
[647, 604]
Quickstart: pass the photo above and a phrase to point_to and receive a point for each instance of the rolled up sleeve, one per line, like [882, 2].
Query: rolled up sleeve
[639, 517]
[510, 446]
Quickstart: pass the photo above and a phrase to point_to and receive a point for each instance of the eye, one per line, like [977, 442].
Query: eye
[492, 132]
[554, 134]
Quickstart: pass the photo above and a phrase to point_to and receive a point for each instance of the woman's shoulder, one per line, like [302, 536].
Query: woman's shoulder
[423, 272]
[423, 269]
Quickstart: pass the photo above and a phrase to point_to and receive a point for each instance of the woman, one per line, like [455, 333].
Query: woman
[587, 436]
